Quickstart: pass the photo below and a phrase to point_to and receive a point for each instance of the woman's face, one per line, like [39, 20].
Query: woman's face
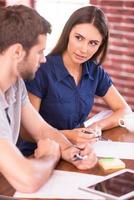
[84, 41]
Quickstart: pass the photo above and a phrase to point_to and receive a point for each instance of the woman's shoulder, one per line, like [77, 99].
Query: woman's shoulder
[92, 65]
[95, 70]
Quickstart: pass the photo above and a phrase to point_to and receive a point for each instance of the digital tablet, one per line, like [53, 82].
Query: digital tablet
[116, 186]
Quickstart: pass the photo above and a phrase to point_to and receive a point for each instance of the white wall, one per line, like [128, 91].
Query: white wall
[12, 2]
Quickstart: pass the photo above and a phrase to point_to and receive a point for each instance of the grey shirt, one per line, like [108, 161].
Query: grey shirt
[11, 103]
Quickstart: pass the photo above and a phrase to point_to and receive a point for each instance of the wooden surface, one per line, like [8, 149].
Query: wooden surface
[116, 134]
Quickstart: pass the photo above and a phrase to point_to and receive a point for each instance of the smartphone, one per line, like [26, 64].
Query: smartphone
[116, 186]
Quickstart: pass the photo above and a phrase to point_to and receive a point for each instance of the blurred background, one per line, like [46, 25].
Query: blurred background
[120, 59]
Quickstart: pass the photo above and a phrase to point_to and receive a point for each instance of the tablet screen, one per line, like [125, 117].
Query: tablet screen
[118, 185]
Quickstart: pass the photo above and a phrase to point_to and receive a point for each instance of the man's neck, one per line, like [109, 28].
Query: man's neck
[6, 80]
[8, 69]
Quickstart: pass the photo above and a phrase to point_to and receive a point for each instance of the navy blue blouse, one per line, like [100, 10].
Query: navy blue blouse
[65, 105]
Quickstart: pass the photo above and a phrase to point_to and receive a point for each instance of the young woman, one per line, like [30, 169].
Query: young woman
[64, 88]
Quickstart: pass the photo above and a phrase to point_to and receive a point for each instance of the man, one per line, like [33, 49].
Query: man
[23, 34]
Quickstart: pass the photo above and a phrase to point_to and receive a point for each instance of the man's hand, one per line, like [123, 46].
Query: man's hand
[84, 150]
[47, 147]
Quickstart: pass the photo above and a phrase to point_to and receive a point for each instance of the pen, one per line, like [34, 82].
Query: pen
[79, 157]
[87, 132]
[96, 132]
[97, 135]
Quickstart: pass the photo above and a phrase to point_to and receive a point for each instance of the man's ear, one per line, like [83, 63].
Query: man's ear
[18, 51]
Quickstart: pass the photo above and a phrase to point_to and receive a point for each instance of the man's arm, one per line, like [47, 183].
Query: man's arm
[28, 175]
[39, 129]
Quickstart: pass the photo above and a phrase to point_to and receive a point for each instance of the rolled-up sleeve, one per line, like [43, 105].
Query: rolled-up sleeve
[104, 83]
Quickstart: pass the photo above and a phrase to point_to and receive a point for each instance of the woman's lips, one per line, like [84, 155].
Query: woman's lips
[79, 57]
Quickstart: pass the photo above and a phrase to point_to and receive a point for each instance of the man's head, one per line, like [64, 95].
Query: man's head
[23, 28]
[21, 24]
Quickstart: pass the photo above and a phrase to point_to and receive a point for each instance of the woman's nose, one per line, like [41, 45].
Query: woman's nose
[84, 48]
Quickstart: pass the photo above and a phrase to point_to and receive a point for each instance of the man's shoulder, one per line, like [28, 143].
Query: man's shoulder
[19, 84]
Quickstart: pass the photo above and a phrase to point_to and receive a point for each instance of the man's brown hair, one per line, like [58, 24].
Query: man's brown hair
[21, 24]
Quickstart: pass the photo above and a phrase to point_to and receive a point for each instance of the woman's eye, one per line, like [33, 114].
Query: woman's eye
[93, 43]
[78, 37]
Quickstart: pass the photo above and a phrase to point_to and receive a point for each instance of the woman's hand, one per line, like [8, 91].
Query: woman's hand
[80, 135]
